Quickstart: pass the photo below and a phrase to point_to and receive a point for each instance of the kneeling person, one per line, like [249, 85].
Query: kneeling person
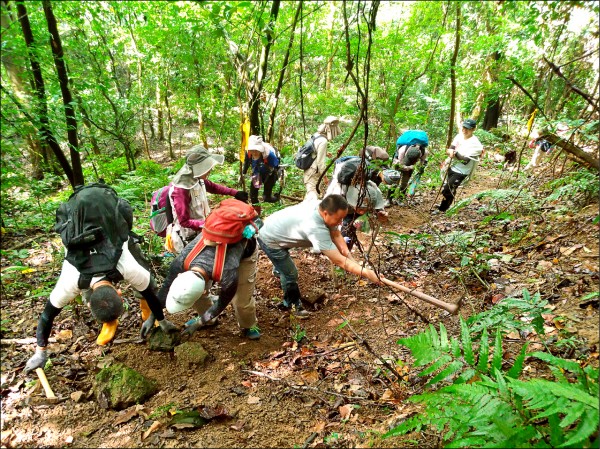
[183, 288]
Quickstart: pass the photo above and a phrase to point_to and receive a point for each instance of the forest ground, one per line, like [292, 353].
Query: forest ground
[327, 390]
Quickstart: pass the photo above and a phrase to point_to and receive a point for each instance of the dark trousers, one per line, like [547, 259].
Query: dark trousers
[453, 180]
[348, 229]
[268, 184]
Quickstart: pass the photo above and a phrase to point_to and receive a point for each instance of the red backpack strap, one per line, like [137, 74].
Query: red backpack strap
[197, 249]
[220, 253]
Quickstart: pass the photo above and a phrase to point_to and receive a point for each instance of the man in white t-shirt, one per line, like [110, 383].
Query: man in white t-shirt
[309, 224]
[464, 153]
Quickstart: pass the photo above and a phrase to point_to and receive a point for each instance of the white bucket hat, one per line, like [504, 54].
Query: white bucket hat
[185, 290]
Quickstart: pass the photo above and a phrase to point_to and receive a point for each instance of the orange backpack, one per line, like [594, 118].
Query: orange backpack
[224, 225]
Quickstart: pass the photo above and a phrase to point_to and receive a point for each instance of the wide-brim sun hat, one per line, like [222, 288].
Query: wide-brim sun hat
[185, 290]
[201, 161]
[374, 152]
[256, 143]
[198, 162]
[330, 127]
[372, 197]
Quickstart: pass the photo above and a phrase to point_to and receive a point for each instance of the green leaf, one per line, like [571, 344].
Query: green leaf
[190, 418]
[587, 426]
[448, 371]
[497, 358]
[517, 367]
[484, 351]
[467, 345]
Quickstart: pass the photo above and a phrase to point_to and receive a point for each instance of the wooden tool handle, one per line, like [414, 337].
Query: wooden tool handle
[44, 380]
[452, 308]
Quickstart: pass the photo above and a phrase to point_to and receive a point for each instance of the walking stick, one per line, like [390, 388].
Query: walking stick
[452, 308]
[442, 185]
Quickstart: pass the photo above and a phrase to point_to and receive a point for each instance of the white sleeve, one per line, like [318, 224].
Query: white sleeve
[132, 271]
[66, 288]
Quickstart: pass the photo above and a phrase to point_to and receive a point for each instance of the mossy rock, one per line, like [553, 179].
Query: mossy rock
[160, 341]
[190, 353]
[118, 386]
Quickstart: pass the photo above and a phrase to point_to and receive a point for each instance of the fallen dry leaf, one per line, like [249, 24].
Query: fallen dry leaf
[310, 376]
[76, 396]
[153, 428]
[65, 334]
[218, 411]
[247, 384]
[319, 426]
[127, 414]
[238, 425]
[346, 410]
[253, 400]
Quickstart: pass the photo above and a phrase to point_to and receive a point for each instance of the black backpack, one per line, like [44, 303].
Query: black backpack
[306, 154]
[93, 225]
[348, 170]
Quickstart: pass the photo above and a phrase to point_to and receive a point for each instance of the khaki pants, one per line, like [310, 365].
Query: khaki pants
[243, 302]
[311, 177]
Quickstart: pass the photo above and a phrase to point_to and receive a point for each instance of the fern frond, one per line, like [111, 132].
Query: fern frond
[467, 345]
[586, 428]
[517, 367]
[484, 352]
[451, 369]
[497, 358]
[569, 365]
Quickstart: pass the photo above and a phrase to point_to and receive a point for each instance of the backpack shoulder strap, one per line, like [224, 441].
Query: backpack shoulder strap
[219, 264]
[158, 195]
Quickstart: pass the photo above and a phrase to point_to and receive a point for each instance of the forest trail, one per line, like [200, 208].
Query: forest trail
[305, 382]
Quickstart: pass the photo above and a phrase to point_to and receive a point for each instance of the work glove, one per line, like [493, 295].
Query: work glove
[408, 167]
[241, 195]
[38, 360]
[147, 326]
[167, 327]
[192, 326]
[421, 169]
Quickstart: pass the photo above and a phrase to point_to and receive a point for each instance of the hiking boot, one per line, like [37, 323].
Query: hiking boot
[299, 311]
[253, 333]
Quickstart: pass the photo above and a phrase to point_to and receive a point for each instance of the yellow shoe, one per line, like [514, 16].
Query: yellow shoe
[145, 309]
[107, 333]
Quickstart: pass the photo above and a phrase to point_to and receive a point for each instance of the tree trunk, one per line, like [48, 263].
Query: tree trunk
[141, 91]
[201, 127]
[573, 149]
[256, 87]
[63, 79]
[453, 78]
[159, 114]
[282, 73]
[493, 109]
[41, 107]
[331, 49]
[22, 91]
[169, 117]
